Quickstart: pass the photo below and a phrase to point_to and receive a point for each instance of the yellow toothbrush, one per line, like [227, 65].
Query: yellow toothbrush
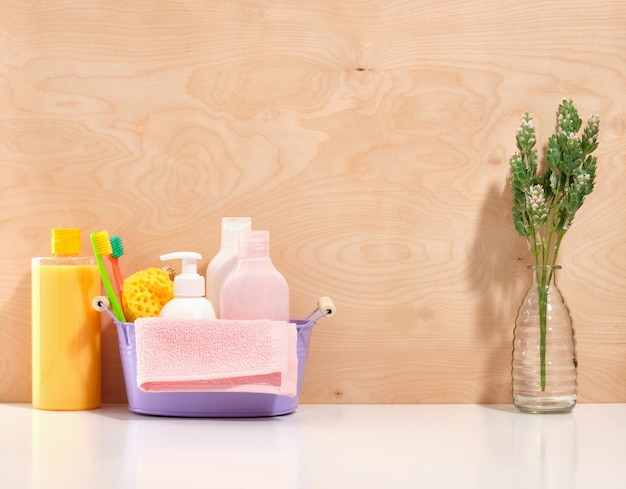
[102, 246]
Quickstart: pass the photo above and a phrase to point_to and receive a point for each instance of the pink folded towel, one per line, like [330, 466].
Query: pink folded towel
[196, 355]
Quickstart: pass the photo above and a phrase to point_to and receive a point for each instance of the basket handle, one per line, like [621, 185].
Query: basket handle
[101, 304]
[326, 305]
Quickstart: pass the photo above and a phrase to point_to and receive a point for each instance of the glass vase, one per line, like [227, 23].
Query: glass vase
[544, 349]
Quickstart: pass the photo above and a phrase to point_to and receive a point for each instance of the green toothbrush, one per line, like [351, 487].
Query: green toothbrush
[102, 246]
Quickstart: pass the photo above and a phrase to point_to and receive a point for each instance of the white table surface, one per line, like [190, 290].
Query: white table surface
[319, 446]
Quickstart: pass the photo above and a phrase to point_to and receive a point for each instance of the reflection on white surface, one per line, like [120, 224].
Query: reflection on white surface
[66, 448]
[162, 452]
[545, 451]
[360, 446]
[396, 446]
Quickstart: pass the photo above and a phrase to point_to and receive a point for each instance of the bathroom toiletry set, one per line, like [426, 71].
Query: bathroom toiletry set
[249, 362]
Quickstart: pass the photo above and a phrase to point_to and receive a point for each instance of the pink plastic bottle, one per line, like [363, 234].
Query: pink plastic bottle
[254, 289]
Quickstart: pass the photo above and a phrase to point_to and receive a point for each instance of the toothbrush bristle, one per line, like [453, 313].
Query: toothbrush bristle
[117, 247]
[103, 243]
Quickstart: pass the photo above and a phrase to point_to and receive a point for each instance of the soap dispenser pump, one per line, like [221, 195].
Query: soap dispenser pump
[189, 301]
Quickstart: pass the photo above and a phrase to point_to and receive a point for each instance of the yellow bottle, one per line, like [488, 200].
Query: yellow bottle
[65, 327]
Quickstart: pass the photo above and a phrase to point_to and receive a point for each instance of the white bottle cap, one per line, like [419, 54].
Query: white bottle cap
[188, 283]
[231, 226]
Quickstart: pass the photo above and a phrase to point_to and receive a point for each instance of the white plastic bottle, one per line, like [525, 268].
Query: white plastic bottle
[224, 261]
[255, 289]
[189, 301]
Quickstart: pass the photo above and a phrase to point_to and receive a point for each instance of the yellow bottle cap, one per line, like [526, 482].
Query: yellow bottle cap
[65, 242]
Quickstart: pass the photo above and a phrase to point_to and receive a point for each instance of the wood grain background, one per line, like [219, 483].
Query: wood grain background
[371, 138]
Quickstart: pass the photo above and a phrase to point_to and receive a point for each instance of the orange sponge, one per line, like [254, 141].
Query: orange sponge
[145, 293]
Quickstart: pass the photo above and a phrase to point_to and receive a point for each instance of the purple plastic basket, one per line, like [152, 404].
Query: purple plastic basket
[209, 404]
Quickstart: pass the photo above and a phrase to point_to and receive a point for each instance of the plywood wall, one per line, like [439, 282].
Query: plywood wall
[371, 138]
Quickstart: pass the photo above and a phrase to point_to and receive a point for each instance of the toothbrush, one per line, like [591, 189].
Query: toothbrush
[102, 246]
[117, 252]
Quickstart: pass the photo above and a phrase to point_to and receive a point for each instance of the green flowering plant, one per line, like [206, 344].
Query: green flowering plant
[546, 200]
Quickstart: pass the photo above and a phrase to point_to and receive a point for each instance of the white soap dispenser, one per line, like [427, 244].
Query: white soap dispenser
[189, 301]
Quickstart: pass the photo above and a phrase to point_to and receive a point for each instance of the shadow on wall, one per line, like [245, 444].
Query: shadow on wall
[499, 283]
[15, 336]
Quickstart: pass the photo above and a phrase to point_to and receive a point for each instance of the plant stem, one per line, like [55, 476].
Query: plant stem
[542, 291]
